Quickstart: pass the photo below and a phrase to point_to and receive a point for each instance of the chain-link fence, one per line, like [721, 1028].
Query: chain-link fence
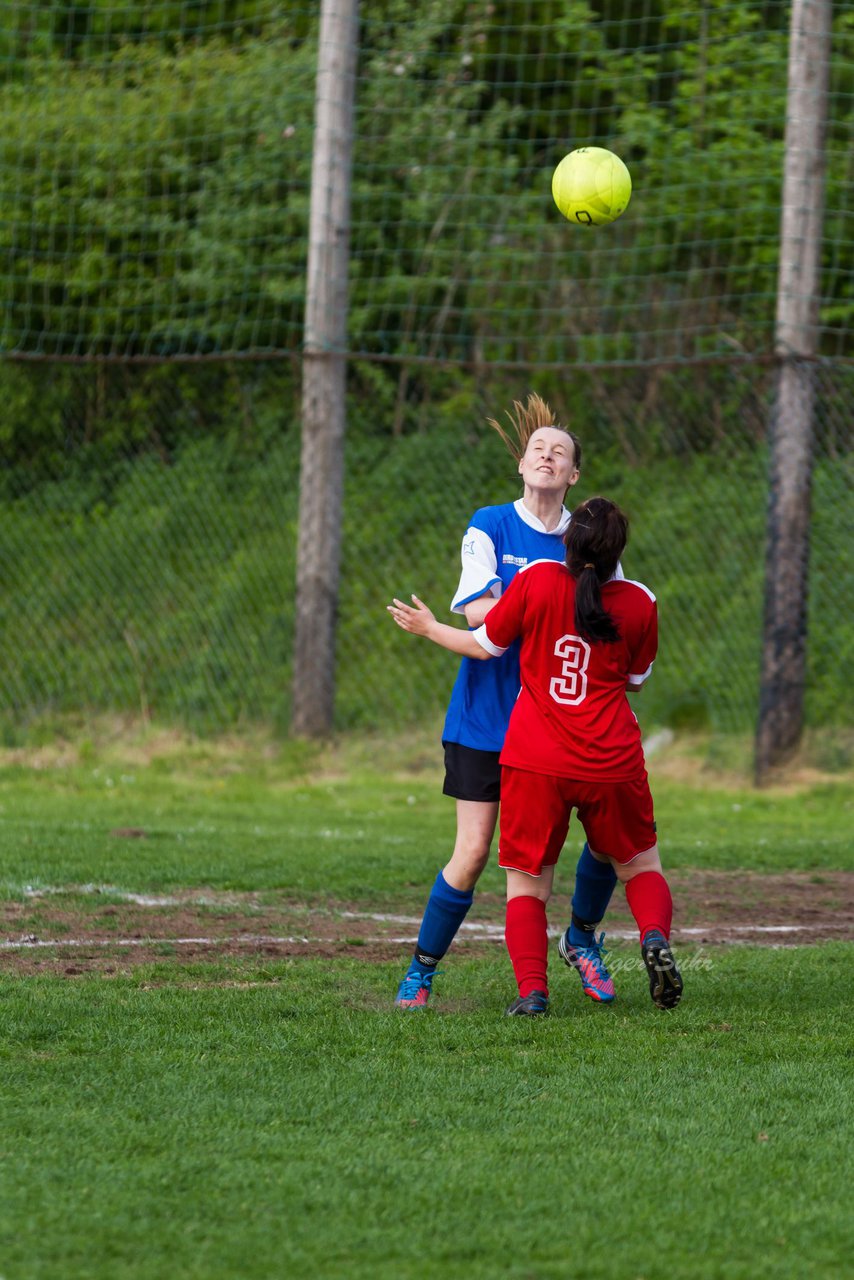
[159, 579]
[155, 170]
[155, 190]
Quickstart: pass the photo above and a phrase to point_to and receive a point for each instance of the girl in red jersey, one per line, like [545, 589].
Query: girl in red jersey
[573, 741]
[499, 540]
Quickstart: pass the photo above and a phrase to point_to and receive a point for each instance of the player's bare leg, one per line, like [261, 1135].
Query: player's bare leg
[476, 822]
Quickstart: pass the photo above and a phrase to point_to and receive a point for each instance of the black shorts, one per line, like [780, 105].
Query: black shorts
[471, 774]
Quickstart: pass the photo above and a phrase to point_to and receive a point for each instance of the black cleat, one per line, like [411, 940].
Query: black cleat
[665, 980]
[530, 1006]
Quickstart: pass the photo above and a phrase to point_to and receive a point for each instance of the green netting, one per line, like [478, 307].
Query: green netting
[156, 578]
[155, 163]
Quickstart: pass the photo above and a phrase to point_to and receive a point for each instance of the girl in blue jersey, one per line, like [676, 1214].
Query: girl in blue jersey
[498, 541]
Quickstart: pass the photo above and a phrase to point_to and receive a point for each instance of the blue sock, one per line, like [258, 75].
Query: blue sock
[594, 884]
[445, 911]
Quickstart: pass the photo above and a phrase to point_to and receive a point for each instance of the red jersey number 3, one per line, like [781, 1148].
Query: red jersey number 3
[570, 687]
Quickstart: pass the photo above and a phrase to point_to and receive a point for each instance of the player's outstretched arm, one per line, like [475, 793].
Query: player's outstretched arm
[476, 610]
[419, 621]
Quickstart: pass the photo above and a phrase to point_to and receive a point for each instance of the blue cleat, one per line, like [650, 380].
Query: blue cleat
[590, 964]
[414, 991]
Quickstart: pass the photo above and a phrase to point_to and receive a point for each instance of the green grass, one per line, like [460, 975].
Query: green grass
[345, 824]
[266, 1117]
[167, 1125]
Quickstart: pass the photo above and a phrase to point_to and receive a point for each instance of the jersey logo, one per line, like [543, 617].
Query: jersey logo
[570, 687]
[468, 546]
[514, 560]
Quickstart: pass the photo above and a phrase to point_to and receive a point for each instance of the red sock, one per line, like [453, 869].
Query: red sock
[526, 935]
[648, 896]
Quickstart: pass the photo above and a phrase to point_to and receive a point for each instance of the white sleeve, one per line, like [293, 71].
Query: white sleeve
[485, 643]
[635, 681]
[479, 563]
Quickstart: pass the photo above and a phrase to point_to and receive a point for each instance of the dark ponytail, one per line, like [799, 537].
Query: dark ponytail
[595, 540]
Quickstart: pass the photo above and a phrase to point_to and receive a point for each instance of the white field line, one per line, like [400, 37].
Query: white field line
[496, 930]
[24, 944]
[470, 928]
[138, 899]
[473, 930]
[485, 932]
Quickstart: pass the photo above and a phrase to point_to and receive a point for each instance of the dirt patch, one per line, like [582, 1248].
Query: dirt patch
[78, 932]
[726, 906]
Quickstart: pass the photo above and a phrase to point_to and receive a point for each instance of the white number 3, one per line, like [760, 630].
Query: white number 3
[570, 687]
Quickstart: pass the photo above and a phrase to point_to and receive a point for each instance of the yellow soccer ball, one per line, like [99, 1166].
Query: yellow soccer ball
[591, 186]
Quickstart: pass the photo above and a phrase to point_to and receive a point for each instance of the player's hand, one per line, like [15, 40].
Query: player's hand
[416, 620]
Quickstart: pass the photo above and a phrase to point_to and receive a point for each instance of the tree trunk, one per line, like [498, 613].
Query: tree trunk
[324, 373]
[783, 678]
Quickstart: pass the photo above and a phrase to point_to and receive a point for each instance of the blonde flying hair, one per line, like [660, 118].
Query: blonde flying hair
[525, 420]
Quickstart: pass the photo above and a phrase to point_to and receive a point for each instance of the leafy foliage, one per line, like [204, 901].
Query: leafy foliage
[156, 179]
[154, 204]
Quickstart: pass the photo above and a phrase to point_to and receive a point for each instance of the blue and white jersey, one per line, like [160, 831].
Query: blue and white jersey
[497, 544]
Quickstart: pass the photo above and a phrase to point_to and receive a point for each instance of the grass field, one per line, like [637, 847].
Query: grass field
[261, 1111]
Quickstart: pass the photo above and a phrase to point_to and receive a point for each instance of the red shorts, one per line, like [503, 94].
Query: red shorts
[617, 818]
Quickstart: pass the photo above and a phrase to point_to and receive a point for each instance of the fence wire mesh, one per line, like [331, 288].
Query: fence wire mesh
[155, 164]
[159, 580]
